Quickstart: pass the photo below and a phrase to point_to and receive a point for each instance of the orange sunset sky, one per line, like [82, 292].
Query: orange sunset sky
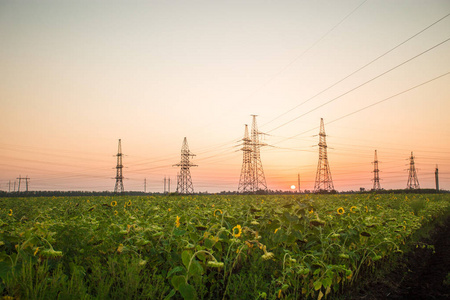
[76, 76]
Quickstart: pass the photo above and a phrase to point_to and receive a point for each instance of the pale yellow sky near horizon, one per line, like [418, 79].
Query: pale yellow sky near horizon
[78, 75]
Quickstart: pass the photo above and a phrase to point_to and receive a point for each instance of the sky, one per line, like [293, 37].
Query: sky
[77, 76]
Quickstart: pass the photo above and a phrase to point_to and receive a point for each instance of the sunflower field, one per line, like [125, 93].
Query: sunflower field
[205, 246]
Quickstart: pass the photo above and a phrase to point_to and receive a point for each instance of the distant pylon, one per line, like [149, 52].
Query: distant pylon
[376, 174]
[436, 178]
[259, 180]
[118, 188]
[246, 179]
[184, 181]
[324, 182]
[413, 182]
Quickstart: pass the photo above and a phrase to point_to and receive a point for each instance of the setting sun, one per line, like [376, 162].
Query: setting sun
[293, 187]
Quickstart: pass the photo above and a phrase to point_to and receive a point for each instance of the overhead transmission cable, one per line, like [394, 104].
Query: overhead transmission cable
[373, 104]
[357, 70]
[308, 49]
[357, 87]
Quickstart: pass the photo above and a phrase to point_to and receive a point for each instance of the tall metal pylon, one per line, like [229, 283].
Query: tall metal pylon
[324, 182]
[259, 180]
[118, 188]
[184, 181]
[246, 179]
[376, 174]
[436, 178]
[252, 177]
[413, 182]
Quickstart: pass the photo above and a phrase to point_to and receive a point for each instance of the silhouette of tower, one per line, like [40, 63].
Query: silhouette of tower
[184, 181]
[376, 174]
[324, 182]
[118, 188]
[259, 180]
[436, 178]
[413, 182]
[246, 179]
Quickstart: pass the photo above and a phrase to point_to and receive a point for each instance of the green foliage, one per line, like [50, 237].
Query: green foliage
[202, 247]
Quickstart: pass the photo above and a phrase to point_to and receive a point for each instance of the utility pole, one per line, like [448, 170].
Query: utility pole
[26, 183]
[436, 176]
[324, 182]
[164, 184]
[168, 186]
[9, 186]
[184, 184]
[376, 174]
[20, 178]
[145, 185]
[118, 188]
[298, 183]
[413, 182]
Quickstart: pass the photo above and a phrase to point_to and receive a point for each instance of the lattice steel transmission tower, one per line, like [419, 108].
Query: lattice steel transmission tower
[413, 182]
[184, 181]
[376, 174]
[246, 179]
[436, 178]
[259, 180]
[324, 182]
[118, 188]
[252, 174]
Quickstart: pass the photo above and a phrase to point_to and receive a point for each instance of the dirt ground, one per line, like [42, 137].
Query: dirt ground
[420, 275]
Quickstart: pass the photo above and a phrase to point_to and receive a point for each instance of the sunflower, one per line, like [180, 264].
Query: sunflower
[352, 209]
[239, 231]
[114, 203]
[217, 210]
[341, 210]
[116, 212]
[129, 203]
[10, 212]
[177, 222]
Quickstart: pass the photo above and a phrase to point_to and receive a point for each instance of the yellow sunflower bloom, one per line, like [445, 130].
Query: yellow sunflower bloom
[113, 203]
[10, 212]
[341, 210]
[217, 210]
[352, 209]
[116, 212]
[177, 222]
[129, 203]
[239, 231]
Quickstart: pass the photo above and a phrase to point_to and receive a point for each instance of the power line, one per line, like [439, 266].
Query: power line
[359, 69]
[357, 87]
[373, 104]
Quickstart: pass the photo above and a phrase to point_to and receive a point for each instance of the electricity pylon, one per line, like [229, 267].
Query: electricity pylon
[118, 188]
[259, 181]
[376, 174]
[246, 179]
[436, 178]
[324, 182]
[184, 181]
[413, 182]
[252, 174]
